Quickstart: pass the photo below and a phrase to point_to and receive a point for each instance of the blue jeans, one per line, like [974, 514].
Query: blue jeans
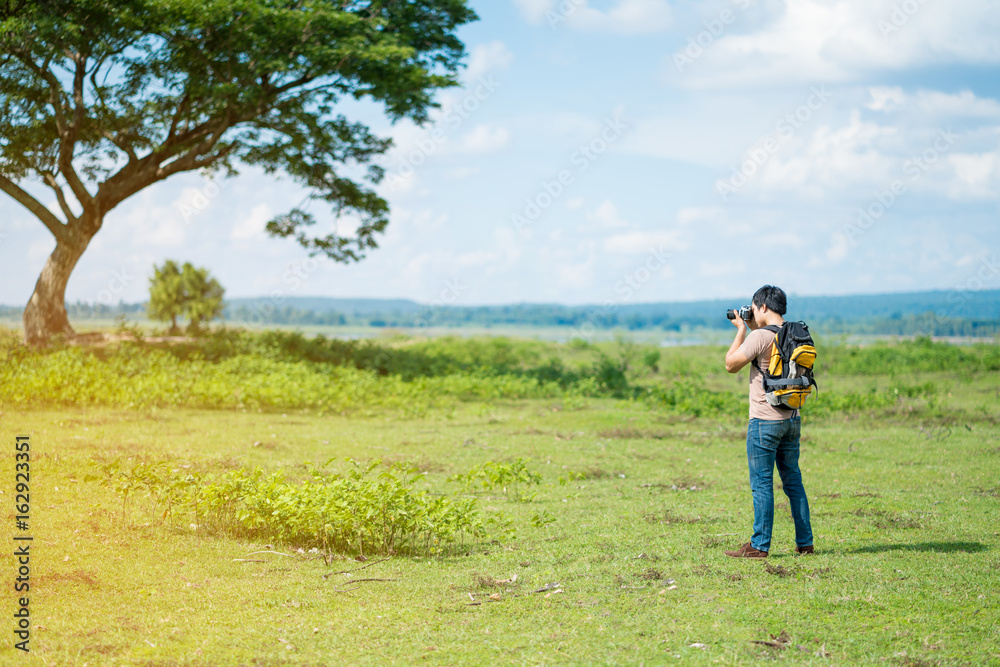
[770, 443]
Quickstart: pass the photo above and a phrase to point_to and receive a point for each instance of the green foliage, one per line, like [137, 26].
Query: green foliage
[542, 519]
[176, 291]
[610, 375]
[507, 476]
[693, 398]
[920, 355]
[651, 360]
[363, 511]
[281, 371]
[166, 87]
[688, 397]
[103, 100]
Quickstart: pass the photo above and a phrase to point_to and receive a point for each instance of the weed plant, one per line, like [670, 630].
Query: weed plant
[358, 512]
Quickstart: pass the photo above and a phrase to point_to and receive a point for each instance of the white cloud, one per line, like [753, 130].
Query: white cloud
[722, 267]
[628, 17]
[832, 158]
[415, 269]
[408, 224]
[252, 226]
[463, 172]
[837, 250]
[576, 274]
[606, 216]
[836, 40]
[39, 251]
[478, 258]
[692, 214]
[977, 176]
[932, 102]
[485, 139]
[641, 242]
[534, 11]
[863, 154]
[487, 57]
[158, 226]
[886, 99]
[401, 181]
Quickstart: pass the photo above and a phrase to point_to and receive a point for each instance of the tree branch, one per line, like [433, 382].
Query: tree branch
[50, 180]
[67, 133]
[47, 217]
[67, 139]
[122, 145]
[190, 160]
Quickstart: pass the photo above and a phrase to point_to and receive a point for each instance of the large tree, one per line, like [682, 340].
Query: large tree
[100, 99]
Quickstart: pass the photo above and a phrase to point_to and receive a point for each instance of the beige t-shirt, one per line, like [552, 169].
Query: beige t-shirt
[758, 346]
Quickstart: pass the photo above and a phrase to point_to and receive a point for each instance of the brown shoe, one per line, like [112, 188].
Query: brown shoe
[802, 551]
[746, 551]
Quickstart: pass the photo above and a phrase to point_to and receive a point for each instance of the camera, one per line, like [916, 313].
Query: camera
[744, 313]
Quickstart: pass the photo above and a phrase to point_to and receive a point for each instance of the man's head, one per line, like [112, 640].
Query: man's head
[769, 305]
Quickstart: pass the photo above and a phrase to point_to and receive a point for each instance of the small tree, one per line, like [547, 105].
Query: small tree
[204, 297]
[166, 294]
[176, 291]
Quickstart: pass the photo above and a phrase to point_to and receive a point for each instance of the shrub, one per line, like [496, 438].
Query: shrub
[359, 512]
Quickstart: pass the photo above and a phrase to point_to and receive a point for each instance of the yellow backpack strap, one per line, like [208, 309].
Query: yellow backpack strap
[773, 328]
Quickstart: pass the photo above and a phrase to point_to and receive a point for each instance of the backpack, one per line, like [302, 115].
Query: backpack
[788, 380]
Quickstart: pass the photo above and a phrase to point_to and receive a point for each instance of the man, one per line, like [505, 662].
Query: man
[773, 433]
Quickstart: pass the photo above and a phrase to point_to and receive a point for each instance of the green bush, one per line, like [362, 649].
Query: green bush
[359, 512]
[916, 356]
[690, 398]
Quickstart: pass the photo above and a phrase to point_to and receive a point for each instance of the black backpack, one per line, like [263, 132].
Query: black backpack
[788, 379]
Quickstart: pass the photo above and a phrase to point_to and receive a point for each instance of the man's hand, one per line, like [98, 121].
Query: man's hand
[736, 360]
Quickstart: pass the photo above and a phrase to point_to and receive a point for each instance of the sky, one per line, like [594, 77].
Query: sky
[627, 151]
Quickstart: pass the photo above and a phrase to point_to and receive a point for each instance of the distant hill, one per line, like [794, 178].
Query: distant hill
[968, 305]
[322, 304]
[941, 313]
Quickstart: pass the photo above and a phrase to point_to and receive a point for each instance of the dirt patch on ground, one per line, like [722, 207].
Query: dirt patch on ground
[632, 433]
[668, 517]
[75, 577]
[715, 541]
[683, 483]
[888, 520]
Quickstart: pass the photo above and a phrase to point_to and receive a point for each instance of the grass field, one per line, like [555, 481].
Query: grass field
[617, 557]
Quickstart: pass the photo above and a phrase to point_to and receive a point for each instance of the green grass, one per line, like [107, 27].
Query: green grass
[904, 500]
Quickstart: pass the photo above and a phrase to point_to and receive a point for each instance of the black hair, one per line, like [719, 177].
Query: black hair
[772, 297]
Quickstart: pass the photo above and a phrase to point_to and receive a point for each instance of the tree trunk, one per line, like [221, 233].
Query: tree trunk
[45, 315]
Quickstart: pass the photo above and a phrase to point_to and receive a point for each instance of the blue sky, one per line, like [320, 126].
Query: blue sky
[631, 151]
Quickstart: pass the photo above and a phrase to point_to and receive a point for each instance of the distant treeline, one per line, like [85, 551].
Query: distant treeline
[581, 319]
[86, 311]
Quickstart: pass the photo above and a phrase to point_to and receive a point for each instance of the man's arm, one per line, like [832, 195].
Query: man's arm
[735, 359]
